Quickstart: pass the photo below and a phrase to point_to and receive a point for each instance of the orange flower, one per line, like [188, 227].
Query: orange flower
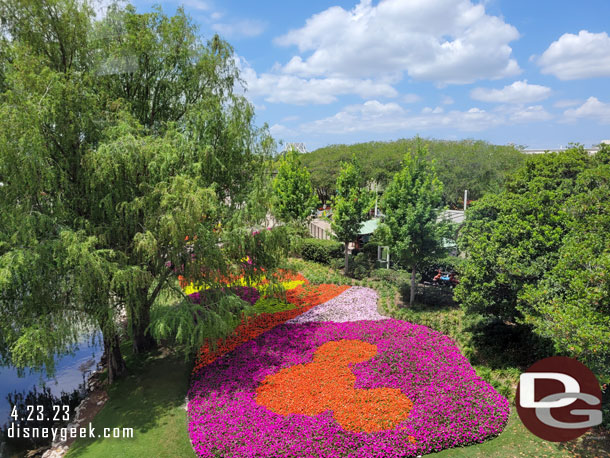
[305, 298]
[327, 383]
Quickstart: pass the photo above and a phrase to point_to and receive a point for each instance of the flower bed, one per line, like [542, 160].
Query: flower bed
[359, 389]
[302, 297]
[246, 293]
[355, 304]
[288, 280]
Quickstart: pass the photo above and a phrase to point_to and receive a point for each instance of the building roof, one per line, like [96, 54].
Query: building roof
[368, 227]
[454, 216]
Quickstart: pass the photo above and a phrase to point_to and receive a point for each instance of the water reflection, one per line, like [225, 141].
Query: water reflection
[68, 374]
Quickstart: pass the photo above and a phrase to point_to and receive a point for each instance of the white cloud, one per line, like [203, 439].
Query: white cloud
[374, 116]
[279, 88]
[280, 131]
[446, 100]
[591, 109]
[586, 55]
[528, 114]
[244, 28]
[518, 92]
[418, 37]
[436, 110]
[564, 103]
[411, 98]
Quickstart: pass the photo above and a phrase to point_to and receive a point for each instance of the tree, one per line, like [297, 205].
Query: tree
[294, 199]
[571, 303]
[474, 165]
[537, 254]
[411, 203]
[105, 203]
[158, 64]
[351, 204]
[512, 239]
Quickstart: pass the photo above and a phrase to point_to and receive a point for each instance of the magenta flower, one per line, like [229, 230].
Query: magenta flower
[452, 406]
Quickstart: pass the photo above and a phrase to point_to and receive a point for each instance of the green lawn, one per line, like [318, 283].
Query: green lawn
[151, 401]
[515, 441]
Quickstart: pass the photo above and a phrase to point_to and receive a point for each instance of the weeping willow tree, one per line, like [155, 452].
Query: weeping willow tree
[118, 179]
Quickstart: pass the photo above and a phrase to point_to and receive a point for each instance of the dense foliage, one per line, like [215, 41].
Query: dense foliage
[476, 166]
[293, 199]
[350, 204]
[411, 204]
[538, 253]
[127, 159]
[319, 250]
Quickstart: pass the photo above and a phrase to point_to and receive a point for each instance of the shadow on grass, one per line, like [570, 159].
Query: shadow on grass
[150, 399]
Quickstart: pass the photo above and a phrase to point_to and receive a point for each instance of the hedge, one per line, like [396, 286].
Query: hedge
[322, 251]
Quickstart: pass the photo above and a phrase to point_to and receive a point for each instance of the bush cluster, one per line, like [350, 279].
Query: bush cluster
[322, 251]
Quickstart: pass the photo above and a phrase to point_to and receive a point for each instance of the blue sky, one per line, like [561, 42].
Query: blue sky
[534, 73]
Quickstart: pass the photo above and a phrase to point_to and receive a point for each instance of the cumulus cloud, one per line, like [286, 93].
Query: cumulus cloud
[281, 131]
[281, 88]
[586, 55]
[396, 37]
[521, 114]
[565, 103]
[374, 116]
[591, 109]
[518, 92]
[411, 98]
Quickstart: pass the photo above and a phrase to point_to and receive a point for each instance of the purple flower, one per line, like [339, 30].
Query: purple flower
[452, 405]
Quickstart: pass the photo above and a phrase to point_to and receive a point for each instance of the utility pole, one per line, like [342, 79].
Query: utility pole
[465, 199]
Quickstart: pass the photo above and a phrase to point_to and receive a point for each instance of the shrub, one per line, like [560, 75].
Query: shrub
[322, 251]
[394, 277]
[359, 266]
[337, 263]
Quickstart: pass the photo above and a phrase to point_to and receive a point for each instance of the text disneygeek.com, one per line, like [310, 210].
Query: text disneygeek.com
[16, 431]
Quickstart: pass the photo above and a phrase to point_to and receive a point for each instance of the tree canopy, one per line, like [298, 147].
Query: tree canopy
[537, 253]
[117, 179]
[350, 205]
[411, 204]
[477, 166]
[293, 199]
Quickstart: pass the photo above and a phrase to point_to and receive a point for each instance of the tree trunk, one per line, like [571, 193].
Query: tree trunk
[114, 358]
[346, 257]
[412, 295]
[142, 340]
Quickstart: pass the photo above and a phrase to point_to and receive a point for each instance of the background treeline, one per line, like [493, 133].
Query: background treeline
[475, 165]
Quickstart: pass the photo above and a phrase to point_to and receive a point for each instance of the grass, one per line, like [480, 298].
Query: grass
[515, 441]
[151, 401]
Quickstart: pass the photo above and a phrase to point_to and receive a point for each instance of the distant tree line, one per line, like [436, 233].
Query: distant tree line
[475, 165]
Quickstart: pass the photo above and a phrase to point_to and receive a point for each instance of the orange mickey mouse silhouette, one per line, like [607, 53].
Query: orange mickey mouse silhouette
[327, 383]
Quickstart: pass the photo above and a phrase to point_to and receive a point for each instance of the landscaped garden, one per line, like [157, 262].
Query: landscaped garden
[338, 379]
[143, 206]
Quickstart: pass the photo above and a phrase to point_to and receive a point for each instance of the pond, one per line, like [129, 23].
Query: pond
[69, 371]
